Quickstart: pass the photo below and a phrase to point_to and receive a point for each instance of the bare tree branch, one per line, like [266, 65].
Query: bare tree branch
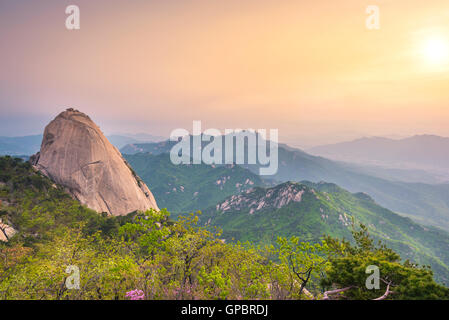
[328, 293]
[387, 292]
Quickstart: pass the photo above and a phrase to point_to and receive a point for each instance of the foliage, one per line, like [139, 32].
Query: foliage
[406, 280]
[326, 209]
[305, 261]
[149, 256]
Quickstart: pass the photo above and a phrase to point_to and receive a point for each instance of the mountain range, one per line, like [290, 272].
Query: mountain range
[427, 152]
[82, 162]
[28, 145]
[20, 146]
[426, 203]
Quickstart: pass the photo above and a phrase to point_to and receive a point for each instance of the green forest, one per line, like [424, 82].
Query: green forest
[148, 255]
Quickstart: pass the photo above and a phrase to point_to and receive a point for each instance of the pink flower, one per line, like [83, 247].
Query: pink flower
[135, 295]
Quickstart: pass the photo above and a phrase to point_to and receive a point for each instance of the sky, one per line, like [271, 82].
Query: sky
[311, 69]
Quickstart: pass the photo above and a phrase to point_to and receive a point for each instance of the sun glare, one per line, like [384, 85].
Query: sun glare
[436, 50]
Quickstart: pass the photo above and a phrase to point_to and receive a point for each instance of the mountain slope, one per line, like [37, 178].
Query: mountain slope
[187, 188]
[426, 203]
[54, 230]
[35, 206]
[310, 211]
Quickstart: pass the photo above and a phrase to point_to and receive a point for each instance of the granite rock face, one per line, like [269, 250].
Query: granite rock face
[6, 232]
[75, 154]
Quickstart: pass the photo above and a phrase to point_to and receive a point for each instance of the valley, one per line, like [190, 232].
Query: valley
[424, 202]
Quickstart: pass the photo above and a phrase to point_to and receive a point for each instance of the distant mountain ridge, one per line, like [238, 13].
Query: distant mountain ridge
[29, 145]
[121, 140]
[419, 151]
[18, 146]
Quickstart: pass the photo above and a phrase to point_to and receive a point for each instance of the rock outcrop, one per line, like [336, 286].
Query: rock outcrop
[6, 232]
[258, 198]
[75, 154]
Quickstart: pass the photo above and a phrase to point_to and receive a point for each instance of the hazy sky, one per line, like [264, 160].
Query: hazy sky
[309, 68]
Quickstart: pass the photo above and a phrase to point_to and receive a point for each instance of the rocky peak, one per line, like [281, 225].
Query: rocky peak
[76, 154]
[257, 199]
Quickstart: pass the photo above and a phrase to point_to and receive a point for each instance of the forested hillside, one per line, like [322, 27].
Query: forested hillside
[312, 210]
[148, 256]
[183, 188]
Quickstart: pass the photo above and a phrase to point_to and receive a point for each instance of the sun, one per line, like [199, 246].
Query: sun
[436, 50]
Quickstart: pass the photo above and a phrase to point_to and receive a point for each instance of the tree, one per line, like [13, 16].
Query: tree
[303, 261]
[346, 272]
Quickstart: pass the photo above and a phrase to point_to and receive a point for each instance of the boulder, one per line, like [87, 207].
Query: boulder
[76, 155]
